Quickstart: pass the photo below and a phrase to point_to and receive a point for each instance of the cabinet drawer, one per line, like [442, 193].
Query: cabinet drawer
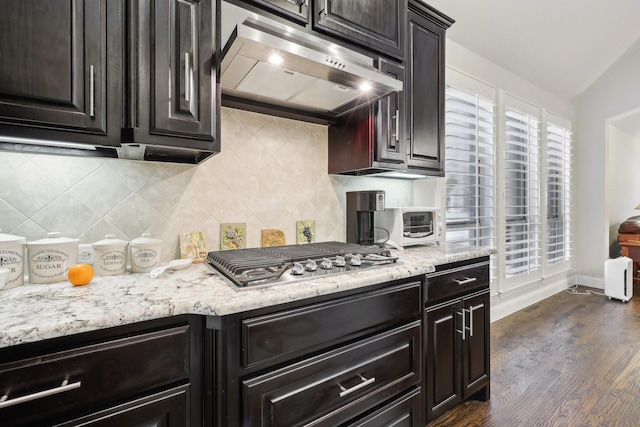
[336, 386]
[405, 411]
[315, 327]
[93, 375]
[457, 281]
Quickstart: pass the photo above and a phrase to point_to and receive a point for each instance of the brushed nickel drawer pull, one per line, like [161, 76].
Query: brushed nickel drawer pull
[65, 386]
[465, 280]
[365, 382]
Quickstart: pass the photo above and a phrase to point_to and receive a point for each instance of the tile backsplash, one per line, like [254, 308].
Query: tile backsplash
[271, 172]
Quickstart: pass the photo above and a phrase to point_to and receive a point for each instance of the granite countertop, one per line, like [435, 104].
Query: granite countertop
[36, 312]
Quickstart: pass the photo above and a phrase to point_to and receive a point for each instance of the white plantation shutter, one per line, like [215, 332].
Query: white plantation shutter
[470, 162]
[522, 188]
[558, 176]
[470, 168]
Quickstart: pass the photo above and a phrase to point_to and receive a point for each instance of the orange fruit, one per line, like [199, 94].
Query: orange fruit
[80, 274]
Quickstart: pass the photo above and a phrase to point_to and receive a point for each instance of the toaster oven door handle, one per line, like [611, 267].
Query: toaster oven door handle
[465, 281]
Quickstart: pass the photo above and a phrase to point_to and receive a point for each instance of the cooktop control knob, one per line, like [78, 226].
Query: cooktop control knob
[326, 264]
[339, 261]
[297, 269]
[311, 265]
[356, 260]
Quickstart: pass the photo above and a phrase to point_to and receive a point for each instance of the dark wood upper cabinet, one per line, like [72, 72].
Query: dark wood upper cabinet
[405, 131]
[424, 87]
[172, 64]
[376, 25]
[133, 79]
[57, 66]
[371, 139]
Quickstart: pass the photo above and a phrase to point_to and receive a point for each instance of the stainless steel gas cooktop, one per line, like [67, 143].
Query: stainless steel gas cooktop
[253, 267]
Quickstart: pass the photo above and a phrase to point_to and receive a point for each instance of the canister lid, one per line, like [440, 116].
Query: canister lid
[10, 238]
[53, 238]
[110, 241]
[145, 239]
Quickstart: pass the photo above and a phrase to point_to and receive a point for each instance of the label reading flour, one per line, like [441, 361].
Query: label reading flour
[13, 261]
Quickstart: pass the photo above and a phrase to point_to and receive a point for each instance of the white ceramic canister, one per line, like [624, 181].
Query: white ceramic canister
[50, 258]
[110, 256]
[145, 253]
[12, 258]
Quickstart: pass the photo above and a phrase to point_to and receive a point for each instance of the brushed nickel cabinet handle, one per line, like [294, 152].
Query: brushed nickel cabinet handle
[365, 382]
[326, 7]
[92, 92]
[397, 134]
[65, 386]
[463, 330]
[187, 77]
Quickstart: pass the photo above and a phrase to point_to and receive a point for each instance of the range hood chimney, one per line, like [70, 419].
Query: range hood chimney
[267, 62]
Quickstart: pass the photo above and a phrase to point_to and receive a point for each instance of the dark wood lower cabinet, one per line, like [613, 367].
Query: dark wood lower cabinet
[457, 338]
[148, 373]
[337, 386]
[354, 358]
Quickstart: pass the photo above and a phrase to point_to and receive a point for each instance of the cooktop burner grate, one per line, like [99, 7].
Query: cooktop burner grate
[259, 266]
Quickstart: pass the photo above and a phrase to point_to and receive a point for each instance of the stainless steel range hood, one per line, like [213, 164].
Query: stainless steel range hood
[267, 62]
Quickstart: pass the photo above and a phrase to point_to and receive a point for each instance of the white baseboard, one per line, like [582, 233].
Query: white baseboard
[505, 304]
[592, 282]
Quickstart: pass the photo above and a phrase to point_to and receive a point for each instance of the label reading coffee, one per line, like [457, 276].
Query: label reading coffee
[113, 262]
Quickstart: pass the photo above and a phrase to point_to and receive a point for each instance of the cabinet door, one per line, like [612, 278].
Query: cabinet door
[390, 138]
[443, 376]
[53, 73]
[377, 25]
[175, 74]
[425, 94]
[475, 349]
[294, 10]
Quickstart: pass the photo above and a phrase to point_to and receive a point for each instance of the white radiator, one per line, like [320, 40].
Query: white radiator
[618, 278]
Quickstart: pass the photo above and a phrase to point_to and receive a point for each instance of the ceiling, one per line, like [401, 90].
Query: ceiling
[562, 46]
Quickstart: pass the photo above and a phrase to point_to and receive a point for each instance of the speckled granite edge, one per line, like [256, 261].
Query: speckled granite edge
[36, 312]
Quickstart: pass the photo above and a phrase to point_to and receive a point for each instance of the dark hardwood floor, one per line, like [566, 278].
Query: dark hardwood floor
[570, 360]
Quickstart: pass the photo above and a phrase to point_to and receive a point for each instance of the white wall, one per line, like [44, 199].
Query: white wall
[468, 62]
[613, 94]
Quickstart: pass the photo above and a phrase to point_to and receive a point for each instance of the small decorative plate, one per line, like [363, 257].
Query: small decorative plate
[233, 235]
[305, 231]
[273, 237]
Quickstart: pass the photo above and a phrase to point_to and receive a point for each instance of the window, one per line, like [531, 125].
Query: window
[522, 188]
[470, 167]
[558, 174]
